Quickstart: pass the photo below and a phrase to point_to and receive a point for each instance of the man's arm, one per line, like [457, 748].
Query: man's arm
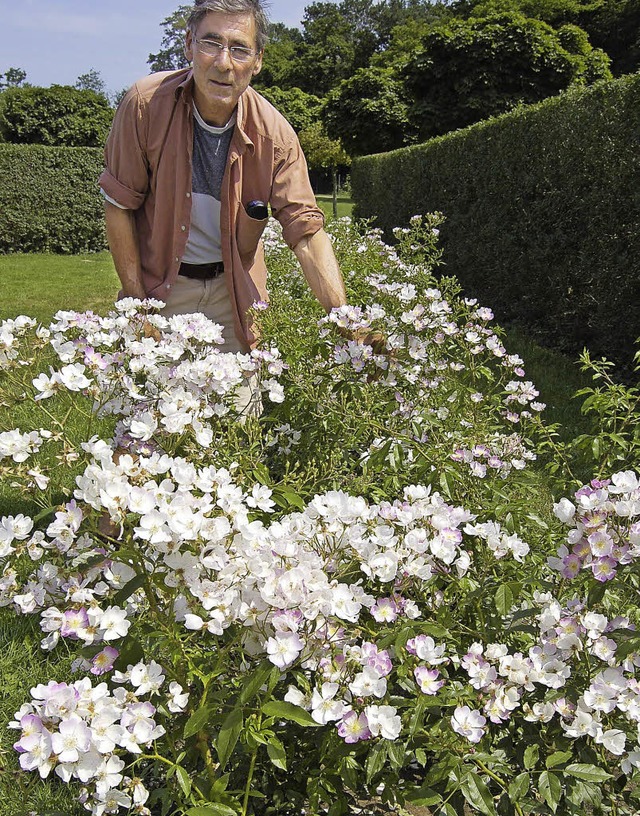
[122, 236]
[321, 270]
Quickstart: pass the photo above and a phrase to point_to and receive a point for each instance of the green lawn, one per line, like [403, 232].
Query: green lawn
[345, 205]
[39, 284]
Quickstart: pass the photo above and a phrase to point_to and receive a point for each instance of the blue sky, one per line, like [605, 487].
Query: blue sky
[56, 41]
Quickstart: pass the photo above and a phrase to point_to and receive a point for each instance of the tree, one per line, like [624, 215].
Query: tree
[472, 69]
[300, 109]
[118, 96]
[554, 12]
[329, 52]
[369, 113]
[406, 40]
[59, 115]
[280, 58]
[612, 25]
[615, 27]
[324, 153]
[171, 55]
[92, 81]
[12, 78]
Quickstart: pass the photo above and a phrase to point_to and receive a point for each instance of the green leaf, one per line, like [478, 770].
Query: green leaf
[228, 736]
[627, 646]
[183, 780]
[445, 484]
[434, 629]
[417, 716]
[531, 755]
[130, 654]
[596, 594]
[449, 764]
[219, 786]
[128, 589]
[261, 474]
[557, 758]
[519, 787]
[212, 809]
[504, 599]
[537, 520]
[277, 754]
[285, 497]
[478, 794]
[254, 681]
[585, 793]
[48, 511]
[197, 721]
[375, 761]
[588, 773]
[289, 711]
[550, 788]
[395, 751]
[424, 797]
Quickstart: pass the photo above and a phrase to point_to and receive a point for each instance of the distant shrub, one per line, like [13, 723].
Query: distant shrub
[59, 115]
[49, 199]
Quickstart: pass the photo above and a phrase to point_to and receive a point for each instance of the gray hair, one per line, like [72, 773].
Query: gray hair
[255, 7]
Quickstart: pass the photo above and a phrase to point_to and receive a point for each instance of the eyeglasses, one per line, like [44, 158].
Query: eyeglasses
[213, 48]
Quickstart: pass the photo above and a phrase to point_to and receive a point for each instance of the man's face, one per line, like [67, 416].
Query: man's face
[219, 79]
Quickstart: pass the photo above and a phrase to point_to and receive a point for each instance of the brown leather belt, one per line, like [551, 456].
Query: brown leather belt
[201, 271]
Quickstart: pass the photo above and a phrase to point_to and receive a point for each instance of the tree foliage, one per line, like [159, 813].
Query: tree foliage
[59, 115]
[449, 63]
[300, 109]
[554, 12]
[12, 78]
[615, 27]
[171, 55]
[92, 81]
[369, 112]
[473, 69]
[612, 25]
[280, 55]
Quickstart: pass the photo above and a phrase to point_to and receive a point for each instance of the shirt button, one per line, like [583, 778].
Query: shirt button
[188, 195]
[168, 286]
[183, 228]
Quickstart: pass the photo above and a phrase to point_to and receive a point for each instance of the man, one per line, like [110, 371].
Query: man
[188, 153]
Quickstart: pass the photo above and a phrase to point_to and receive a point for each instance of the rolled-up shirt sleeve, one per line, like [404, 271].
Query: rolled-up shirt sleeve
[125, 179]
[292, 200]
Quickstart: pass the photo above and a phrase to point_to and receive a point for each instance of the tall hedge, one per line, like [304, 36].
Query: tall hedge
[543, 213]
[50, 200]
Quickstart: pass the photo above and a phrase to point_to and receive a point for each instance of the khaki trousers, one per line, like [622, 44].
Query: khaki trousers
[211, 298]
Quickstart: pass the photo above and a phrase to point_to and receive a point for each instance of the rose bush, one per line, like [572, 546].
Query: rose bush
[367, 591]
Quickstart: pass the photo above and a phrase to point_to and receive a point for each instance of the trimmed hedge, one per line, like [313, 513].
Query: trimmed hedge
[543, 213]
[50, 200]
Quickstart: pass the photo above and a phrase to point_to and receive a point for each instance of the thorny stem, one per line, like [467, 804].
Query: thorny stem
[202, 744]
[497, 779]
[252, 766]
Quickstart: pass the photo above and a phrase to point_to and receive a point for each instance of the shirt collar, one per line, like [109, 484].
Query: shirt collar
[241, 122]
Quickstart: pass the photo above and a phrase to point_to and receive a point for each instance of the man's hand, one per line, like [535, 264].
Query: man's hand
[368, 337]
[149, 330]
